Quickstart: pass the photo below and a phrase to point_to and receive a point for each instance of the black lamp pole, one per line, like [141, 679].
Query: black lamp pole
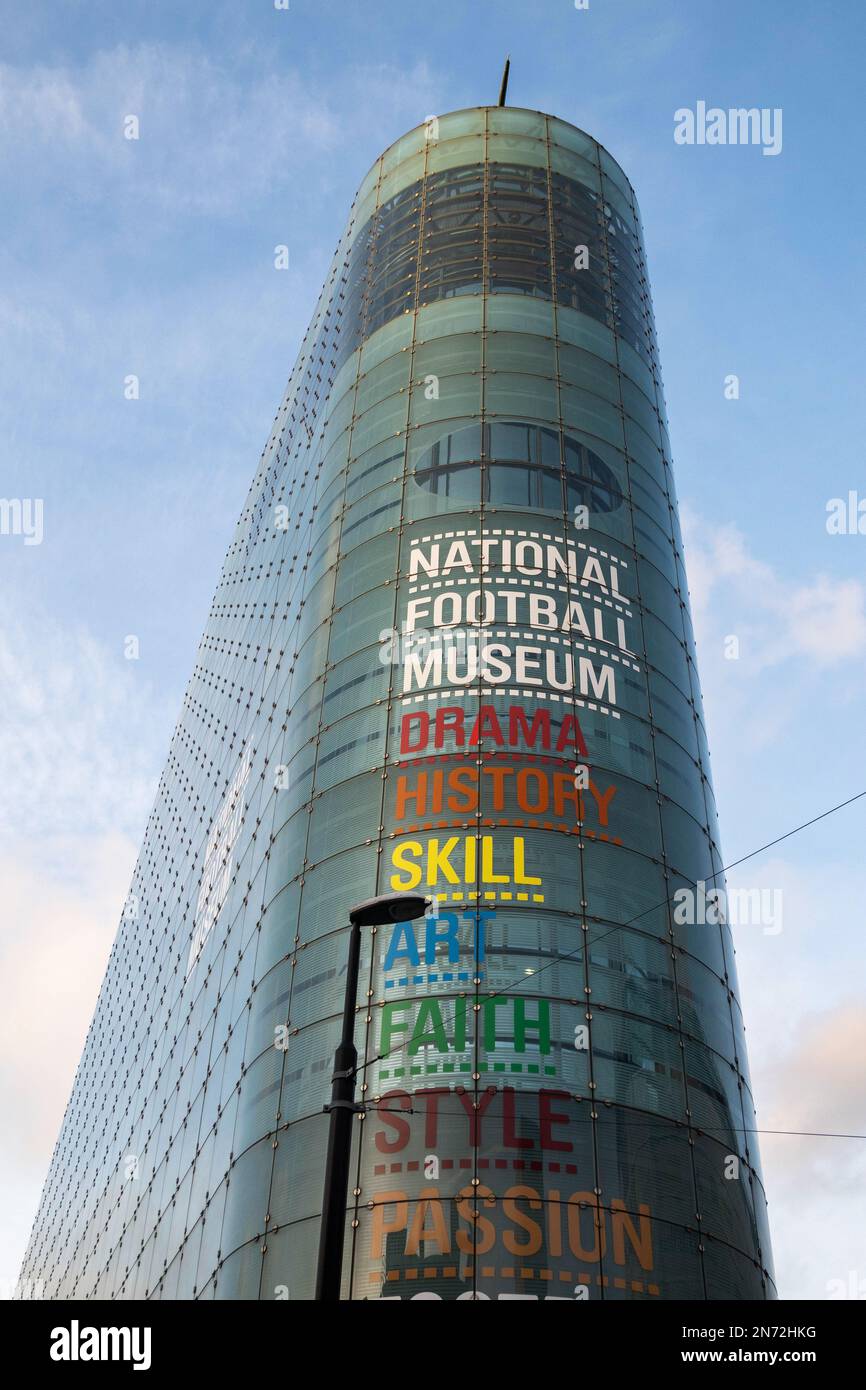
[390, 907]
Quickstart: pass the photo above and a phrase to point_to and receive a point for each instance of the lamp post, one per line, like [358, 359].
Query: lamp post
[374, 912]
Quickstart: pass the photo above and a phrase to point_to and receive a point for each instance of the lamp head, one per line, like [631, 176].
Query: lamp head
[389, 907]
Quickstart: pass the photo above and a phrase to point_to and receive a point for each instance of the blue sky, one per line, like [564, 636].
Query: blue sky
[155, 257]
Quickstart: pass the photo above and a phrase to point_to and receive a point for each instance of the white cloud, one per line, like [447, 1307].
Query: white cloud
[55, 939]
[79, 735]
[210, 140]
[205, 139]
[776, 620]
[816, 1185]
[41, 104]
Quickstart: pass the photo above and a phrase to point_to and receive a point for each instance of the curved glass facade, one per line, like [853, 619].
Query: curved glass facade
[450, 650]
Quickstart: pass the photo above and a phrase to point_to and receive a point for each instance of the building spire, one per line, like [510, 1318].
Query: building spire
[504, 86]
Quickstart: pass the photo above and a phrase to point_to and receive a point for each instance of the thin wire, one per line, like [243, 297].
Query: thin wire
[622, 925]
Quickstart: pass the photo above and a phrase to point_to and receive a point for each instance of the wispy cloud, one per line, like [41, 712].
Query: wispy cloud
[79, 736]
[778, 619]
[210, 139]
[206, 140]
[818, 1086]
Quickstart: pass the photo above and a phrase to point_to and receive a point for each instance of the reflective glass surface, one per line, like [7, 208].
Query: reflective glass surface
[449, 652]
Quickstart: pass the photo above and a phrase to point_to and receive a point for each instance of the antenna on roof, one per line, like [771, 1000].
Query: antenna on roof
[504, 87]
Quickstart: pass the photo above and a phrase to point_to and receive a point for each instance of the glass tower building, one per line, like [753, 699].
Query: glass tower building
[450, 652]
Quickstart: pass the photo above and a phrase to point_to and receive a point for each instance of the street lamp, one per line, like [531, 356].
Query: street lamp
[373, 912]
